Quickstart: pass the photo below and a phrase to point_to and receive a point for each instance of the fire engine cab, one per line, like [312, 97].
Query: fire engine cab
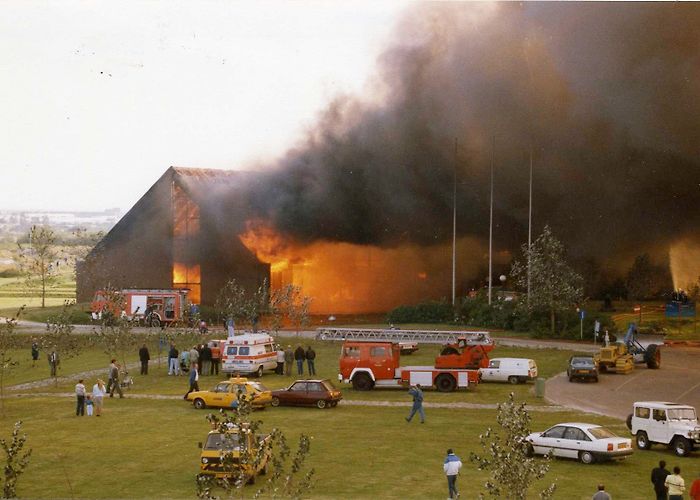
[369, 364]
[153, 306]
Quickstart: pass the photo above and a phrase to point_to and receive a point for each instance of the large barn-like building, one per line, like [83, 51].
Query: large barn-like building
[181, 234]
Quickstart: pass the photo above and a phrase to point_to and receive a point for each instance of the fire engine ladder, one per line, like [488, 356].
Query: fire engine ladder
[392, 335]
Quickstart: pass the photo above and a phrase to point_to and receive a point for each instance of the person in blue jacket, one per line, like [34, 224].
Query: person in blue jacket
[451, 467]
[417, 394]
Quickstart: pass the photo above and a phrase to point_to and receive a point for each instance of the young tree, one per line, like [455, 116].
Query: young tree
[554, 285]
[290, 302]
[59, 336]
[15, 461]
[8, 342]
[508, 457]
[38, 259]
[646, 280]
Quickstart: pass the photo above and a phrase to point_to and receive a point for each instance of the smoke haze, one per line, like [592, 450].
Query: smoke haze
[604, 94]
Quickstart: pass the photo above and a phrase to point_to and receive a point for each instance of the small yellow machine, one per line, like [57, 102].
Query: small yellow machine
[614, 357]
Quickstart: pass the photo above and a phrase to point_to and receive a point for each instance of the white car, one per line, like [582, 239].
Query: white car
[672, 424]
[585, 442]
[512, 370]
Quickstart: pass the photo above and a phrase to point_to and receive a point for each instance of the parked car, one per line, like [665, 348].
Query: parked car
[513, 370]
[671, 424]
[586, 442]
[320, 393]
[223, 455]
[226, 392]
[582, 368]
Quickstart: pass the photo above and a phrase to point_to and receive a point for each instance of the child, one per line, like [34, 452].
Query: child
[88, 405]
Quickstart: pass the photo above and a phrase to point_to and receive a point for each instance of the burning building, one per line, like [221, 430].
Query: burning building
[180, 234]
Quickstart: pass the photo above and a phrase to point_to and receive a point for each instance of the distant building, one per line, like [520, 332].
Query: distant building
[181, 234]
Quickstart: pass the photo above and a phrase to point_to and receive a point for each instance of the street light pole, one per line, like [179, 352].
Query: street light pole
[454, 226]
[529, 232]
[493, 153]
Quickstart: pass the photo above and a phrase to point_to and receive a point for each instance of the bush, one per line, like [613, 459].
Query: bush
[10, 272]
[477, 312]
[427, 312]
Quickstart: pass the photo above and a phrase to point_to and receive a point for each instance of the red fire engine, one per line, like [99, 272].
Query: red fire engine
[153, 306]
[369, 364]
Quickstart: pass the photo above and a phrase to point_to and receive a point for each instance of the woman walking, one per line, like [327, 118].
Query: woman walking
[98, 393]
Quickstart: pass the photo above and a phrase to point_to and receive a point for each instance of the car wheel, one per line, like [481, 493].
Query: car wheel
[199, 404]
[321, 403]
[251, 480]
[266, 468]
[681, 446]
[571, 379]
[333, 404]
[529, 451]
[643, 442]
[513, 380]
[445, 382]
[603, 368]
[361, 382]
[259, 372]
[586, 457]
[275, 401]
[595, 379]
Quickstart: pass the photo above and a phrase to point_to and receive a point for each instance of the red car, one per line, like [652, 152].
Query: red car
[320, 393]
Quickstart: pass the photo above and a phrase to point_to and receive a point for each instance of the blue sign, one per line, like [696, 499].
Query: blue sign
[582, 314]
[675, 309]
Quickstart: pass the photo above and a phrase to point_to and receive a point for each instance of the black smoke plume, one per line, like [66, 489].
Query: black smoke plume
[604, 95]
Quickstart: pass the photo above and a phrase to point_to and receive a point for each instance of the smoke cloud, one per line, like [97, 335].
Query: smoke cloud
[605, 95]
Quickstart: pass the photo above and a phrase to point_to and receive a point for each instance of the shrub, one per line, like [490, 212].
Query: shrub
[426, 312]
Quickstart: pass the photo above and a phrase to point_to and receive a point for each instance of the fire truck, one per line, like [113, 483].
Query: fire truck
[368, 364]
[152, 306]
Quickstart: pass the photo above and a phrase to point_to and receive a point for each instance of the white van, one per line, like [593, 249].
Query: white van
[249, 353]
[513, 370]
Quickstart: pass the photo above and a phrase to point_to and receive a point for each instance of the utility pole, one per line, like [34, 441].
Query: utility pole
[493, 153]
[529, 232]
[454, 227]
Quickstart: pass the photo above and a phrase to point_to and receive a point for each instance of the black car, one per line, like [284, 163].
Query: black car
[582, 368]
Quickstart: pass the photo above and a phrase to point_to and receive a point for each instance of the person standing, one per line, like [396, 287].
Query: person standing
[451, 467]
[98, 394]
[695, 489]
[35, 352]
[658, 477]
[54, 362]
[173, 368]
[145, 357]
[215, 358]
[80, 395]
[288, 358]
[675, 484]
[280, 361]
[205, 359]
[300, 357]
[417, 394]
[194, 378]
[601, 494]
[113, 382]
[194, 356]
[310, 358]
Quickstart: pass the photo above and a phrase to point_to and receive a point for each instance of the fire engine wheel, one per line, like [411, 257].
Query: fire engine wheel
[199, 404]
[362, 382]
[652, 357]
[275, 402]
[259, 371]
[681, 446]
[643, 442]
[321, 403]
[155, 321]
[445, 382]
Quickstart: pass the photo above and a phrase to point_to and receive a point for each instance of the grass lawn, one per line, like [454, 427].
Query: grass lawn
[146, 449]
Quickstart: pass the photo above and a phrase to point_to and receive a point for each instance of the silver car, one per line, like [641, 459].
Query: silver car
[586, 442]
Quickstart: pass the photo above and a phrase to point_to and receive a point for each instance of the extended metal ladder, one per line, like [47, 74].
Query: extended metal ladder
[392, 335]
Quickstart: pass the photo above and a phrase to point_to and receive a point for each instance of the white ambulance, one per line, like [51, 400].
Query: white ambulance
[248, 353]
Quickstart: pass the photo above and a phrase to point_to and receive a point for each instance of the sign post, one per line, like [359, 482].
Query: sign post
[582, 314]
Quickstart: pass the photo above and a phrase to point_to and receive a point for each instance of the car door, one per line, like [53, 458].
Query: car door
[572, 442]
[381, 362]
[490, 374]
[551, 441]
[296, 395]
[315, 391]
[659, 430]
[219, 395]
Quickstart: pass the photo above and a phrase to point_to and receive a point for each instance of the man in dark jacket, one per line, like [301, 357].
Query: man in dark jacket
[310, 358]
[299, 357]
[288, 358]
[173, 367]
[205, 359]
[145, 357]
[417, 394]
[658, 477]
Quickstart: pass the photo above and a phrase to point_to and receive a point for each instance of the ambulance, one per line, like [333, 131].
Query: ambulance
[248, 353]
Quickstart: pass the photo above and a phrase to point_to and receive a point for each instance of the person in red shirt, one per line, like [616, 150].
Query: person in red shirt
[695, 489]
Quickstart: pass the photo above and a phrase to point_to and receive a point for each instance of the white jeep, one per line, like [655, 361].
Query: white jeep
[671, 424]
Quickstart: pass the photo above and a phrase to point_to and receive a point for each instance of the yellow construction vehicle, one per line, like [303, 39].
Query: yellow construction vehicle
[614, 357]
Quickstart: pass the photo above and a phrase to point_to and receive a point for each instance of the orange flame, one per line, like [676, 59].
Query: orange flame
[344, 278]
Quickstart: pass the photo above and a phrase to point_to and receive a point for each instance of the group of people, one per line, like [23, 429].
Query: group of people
[93, 401]
[206, 357]
[286, 357]
[669, 486]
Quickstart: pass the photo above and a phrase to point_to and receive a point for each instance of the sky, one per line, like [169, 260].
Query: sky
[98, 99]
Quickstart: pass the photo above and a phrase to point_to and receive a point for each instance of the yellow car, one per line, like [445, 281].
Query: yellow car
[225, 393]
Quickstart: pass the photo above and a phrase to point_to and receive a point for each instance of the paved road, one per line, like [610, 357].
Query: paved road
[678, 380]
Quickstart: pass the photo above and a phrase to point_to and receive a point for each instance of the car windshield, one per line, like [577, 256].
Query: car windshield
[258, 386]
[682, 414]
[228, 442]
[601, 433]
[582, 361]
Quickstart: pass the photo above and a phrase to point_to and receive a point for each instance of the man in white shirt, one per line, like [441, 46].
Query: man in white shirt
[451, 467]
[675, 484]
